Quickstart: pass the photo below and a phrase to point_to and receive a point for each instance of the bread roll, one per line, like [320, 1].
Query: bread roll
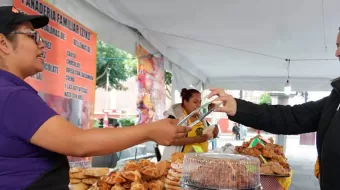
[75, 181]
[79, 175]
[79, 186]
[96, 172]
[90, 181]
[76, 170]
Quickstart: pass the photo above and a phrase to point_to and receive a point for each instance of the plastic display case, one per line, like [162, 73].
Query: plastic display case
[220, 171]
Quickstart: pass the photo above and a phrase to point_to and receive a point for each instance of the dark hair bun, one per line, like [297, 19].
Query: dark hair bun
[183, 92]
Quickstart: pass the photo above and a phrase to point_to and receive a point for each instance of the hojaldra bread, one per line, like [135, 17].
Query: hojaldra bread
[135, 175]
[172, 180]
[80, 186]
[272, 158]
[96, 172]
[76, 170]
[220, 171]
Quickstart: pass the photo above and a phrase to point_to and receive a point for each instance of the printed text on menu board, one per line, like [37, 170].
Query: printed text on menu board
[70, 54]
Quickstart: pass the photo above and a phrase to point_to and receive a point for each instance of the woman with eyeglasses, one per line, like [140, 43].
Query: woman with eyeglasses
[34, 139]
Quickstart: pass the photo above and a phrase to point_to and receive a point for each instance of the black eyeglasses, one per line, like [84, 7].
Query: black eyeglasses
[32, 34]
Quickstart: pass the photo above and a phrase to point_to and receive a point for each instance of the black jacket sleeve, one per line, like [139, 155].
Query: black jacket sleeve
[279, 119]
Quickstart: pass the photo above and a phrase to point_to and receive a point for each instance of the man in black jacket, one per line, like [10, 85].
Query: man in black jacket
[321, 116]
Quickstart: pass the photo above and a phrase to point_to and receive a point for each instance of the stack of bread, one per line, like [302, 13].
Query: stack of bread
[272, 157]
[142, 175]
[172, 181]
[82, 179]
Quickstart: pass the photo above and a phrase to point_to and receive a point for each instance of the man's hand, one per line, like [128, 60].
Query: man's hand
[216, 92]
[166, 131]
[229, 102]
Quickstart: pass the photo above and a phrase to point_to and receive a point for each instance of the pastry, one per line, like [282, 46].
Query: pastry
[177, 167]
[132, 175]
[127, 185]
[177, 156]
[150, 171]
[172, 182]
[156, 185]
[162, 167]
[102, 185]
[115, 178]
[117, 187]
[79, 186]
[131, 166]
[143, 163]
[175, 174]
[141, 175]
[137, 186]
[76, 170]
[93, 188]
[169, 187]
[231, 175]
[267, 152]
[75, 181]
[96, 172]
[79, 175]
[90, 181]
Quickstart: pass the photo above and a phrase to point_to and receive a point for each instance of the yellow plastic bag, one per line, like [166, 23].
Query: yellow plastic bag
[285, 181]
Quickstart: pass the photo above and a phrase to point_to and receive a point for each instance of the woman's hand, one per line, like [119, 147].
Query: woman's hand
[229, 102]
[207, 137]
[61, 136]
[166, 131]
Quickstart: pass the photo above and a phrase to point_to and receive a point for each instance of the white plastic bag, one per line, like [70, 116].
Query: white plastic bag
[227, 149]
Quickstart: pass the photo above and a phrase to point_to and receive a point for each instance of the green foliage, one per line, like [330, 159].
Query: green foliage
[121, 66]
[265, 99]
[168, 78]
[168, 82]
[96, 123]
[100, 123]
[125, 122]
[131, 67]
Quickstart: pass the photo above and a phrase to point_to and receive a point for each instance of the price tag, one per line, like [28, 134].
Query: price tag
[197, 149]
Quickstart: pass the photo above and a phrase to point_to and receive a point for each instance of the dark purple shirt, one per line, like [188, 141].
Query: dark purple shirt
[22, 112]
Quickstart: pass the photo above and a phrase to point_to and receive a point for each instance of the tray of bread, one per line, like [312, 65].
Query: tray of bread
[84, 178]
[220, 171]
[273, 161]
[135, 175]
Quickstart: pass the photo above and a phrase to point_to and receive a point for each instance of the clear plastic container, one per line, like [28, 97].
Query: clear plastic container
[220, 171]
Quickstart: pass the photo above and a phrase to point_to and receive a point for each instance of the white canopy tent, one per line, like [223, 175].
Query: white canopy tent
[230, 44]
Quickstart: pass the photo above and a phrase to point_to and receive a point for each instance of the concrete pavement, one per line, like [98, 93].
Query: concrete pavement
[302, 160]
